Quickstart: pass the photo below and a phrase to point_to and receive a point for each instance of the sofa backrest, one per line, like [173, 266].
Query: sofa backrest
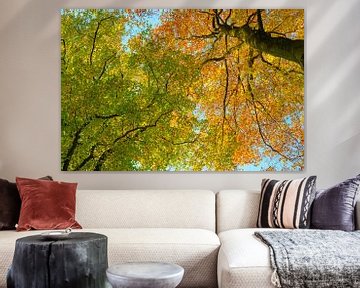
[236, 209]
[239, 209]
[146, 209]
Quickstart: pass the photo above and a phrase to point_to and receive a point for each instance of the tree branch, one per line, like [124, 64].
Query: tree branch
[226, 91]
[64, 54]
[228, 16]
[76, 140]
[262, 135]
[221, 58]
[277, 33]
[218, 19]
[250, 18]
[280, 124]
[257, 120]
[259, 20]
[285, 72]
[93, 44]
[153, 72]
[94, 38]
[206, 12]
[107, 152]
[104, 66]
[212, 35]
[87, 159]
[73, 146]
[107, 116]
[181, 142]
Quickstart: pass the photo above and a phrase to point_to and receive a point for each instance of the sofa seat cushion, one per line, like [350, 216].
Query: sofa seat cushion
[244, 261]
[196, 250]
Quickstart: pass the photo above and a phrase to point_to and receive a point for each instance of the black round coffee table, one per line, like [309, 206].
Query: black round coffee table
[79, 260]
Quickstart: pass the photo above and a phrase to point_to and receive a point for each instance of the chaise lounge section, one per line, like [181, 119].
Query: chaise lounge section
[244, 260]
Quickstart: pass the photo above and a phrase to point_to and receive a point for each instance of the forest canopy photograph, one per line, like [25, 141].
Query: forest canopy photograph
[182, 89]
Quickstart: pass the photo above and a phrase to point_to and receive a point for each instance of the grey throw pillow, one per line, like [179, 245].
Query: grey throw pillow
[334, 208]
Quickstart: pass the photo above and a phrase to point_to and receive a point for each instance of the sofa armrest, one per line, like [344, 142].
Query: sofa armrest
[357, 215]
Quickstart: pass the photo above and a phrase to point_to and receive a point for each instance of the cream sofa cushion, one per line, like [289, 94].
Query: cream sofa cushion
[194, 249]
[146, 209]
[243, 261]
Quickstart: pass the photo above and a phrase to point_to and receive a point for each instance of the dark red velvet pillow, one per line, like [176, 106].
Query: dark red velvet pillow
[10, 204]
[46, 204]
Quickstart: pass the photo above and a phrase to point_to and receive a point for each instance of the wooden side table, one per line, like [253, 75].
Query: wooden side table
[145, 275]
[78, 261]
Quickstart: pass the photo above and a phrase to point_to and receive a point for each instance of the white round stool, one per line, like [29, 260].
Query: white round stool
[145, 275]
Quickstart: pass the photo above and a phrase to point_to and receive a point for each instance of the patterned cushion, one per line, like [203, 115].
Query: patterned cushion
[286, 204]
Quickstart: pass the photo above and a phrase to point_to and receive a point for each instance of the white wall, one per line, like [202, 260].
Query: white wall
[30, 94]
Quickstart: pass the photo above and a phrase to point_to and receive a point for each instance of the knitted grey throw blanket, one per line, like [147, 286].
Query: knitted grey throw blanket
[313, 258]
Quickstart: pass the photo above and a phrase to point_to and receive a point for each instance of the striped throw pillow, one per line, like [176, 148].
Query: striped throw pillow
[286, 204]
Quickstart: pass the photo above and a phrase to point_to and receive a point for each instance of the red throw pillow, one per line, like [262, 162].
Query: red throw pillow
[46, 204]
[10, 204]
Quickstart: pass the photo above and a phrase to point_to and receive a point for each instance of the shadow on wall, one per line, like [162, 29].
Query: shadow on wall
[337, 36]
[333, 42]
[43, 11]
[335, 64]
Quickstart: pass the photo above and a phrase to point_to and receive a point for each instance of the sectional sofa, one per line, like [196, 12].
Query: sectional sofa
[209, 234]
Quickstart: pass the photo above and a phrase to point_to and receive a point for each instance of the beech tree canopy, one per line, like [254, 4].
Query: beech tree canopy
[182, 89]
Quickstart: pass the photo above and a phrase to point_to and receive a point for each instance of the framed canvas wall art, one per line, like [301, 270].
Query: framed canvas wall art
[182, 89]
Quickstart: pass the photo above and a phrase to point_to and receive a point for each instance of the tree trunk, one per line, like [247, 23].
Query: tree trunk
[289, 49]
[79, 261]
